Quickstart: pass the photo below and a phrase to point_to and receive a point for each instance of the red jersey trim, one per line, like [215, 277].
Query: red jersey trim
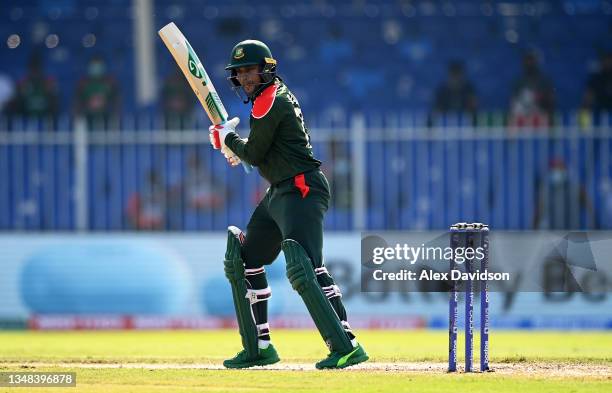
[263, 103]
[300, 183]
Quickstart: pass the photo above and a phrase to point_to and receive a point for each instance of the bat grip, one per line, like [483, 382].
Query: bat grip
[248, 168]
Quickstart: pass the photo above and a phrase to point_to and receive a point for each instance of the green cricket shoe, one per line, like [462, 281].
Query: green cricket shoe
[342, 360]
[241, 360]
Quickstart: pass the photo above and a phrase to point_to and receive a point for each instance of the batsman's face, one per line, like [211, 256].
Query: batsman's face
[249, 78]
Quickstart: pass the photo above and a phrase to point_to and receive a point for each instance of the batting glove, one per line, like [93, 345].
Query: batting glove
[217, 133]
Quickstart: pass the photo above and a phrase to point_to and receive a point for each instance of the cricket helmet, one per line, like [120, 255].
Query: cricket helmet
[248, 53]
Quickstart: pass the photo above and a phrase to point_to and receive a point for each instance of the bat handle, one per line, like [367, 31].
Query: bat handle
[248, 168]
[216, 142]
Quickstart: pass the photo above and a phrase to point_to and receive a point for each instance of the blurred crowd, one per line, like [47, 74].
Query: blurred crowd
[161, 204]
[97, 95]
[532, 102]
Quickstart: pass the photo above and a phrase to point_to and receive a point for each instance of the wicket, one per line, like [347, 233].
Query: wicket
[472, 235]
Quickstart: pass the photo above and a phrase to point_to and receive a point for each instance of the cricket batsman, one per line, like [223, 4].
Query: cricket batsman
[288, 218]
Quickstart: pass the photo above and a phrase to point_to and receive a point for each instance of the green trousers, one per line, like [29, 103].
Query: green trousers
[292, 209]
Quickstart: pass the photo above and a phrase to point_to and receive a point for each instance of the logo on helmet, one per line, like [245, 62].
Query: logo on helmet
[239, 54]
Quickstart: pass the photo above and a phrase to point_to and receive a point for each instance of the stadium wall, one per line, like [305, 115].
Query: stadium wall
[153, 281]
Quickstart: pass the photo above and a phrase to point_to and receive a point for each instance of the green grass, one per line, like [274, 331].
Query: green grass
[293, 345]
[560, 349]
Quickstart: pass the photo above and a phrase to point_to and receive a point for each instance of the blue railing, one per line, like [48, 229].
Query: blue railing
[399, 173]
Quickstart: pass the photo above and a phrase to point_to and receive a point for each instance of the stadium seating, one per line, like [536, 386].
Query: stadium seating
[341, 58]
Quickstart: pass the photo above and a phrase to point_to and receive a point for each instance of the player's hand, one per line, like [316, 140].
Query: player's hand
[217, 133]
[231, 158]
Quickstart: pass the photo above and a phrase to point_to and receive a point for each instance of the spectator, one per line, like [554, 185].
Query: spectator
[36, 94]
[339, 175]
[456, 94]
[335, 47]
[532, 101]
[200, 190]
[147, 208]
[177, 101]
[97, 96]
[562, 203]
[606, 206]
[598, 95]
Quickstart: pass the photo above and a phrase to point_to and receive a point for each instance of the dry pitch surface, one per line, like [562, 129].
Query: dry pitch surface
[187, 361]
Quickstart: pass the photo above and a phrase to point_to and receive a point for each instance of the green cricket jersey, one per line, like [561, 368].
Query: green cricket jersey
[279, 143]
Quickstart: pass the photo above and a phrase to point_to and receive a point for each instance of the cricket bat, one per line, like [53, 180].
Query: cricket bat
[196, 75]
